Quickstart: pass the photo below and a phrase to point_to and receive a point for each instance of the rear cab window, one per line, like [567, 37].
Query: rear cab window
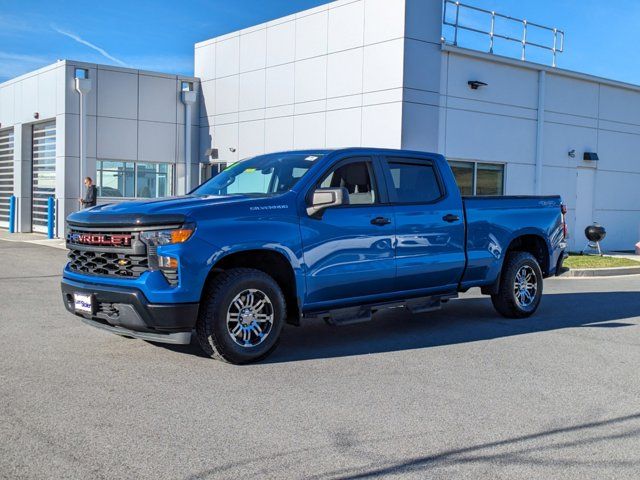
[413, 180]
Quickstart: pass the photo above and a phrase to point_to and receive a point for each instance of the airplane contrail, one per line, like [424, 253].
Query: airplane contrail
[82, 41]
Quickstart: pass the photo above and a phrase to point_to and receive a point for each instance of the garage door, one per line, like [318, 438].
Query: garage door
[6, 175]
[43, 173]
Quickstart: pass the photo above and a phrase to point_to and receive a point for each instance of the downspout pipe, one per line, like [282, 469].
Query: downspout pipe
[189, 99]
[542, 77]
[83, 87]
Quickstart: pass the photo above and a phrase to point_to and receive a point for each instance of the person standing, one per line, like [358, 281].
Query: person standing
[90, 195]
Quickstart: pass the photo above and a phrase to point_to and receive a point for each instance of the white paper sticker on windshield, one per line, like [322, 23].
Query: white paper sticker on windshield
[311, 158]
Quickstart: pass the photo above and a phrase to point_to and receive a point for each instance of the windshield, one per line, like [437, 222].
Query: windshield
[261, 176]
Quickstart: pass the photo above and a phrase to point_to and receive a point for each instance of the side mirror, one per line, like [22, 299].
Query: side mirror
[323, 198]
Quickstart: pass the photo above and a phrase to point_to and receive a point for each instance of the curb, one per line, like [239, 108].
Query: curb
[602, 272]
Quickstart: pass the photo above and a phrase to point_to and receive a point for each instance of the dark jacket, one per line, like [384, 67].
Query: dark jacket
[90, 197]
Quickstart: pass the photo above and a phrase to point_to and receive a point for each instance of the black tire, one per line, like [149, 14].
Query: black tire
[212, 329]
[505, 301]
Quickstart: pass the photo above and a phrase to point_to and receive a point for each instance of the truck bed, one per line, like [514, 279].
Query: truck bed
[493, 222]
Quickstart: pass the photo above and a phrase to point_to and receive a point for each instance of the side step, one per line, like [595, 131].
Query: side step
[363, 313]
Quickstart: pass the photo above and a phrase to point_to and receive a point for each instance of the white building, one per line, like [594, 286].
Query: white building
[376, 73]
[133, 142]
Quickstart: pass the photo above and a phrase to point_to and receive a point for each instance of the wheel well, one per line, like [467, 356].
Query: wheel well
[536, 246]
[273, 264]
[533, 244]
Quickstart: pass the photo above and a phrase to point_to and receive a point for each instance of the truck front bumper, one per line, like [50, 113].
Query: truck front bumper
[126, 311]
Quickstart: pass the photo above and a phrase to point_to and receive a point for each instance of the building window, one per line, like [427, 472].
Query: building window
[153, 180]
[476, 178]
[82, 73]
[134, 179]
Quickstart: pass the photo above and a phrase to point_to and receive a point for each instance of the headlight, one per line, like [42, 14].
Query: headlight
[167, 237]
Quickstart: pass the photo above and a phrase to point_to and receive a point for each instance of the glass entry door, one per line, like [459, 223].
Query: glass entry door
[43, 173]
[6, 175]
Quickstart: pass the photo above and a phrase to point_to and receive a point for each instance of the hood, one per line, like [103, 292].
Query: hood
[152, 212]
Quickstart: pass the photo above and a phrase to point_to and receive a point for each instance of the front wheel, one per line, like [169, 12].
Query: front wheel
[520, 289]
[241, 316]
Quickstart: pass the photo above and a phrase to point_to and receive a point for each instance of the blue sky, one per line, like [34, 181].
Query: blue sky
[601, 36]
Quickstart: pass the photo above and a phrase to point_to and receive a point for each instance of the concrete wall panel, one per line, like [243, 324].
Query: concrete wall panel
[571, 96]
[278, 135]
[281, 44]
[383, 65]
[344, 73]
[156, 142]
[309, 131]
[253, 50]
[252, 90]
[117, 94]
[382, 125]
[205, 62]
[346, 26]
[251, 139]
[344, 128]
[158, 99]
[311, 79]
[117, 139]
[280, 85]
[383, 20]
[311, 35]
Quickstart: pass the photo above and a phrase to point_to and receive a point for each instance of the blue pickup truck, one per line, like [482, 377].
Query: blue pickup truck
[331, 234]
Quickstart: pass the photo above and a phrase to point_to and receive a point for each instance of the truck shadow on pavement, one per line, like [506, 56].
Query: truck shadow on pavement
[459, 321]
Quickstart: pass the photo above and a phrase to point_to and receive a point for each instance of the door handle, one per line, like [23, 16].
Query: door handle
[380, 221]
[450, 217]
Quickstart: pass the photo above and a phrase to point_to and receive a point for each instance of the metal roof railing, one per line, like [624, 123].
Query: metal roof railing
[557, 46]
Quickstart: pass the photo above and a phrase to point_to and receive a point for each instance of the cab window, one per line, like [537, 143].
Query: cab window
[357, 177]
[414, 181]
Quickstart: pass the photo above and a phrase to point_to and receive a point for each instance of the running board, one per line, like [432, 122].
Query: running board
[363, 313]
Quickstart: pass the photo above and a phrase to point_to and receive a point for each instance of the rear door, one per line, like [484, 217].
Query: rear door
[349, 250]
[429, 224]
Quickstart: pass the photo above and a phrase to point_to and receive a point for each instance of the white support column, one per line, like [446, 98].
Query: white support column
[22, 176]
[83, 87]
[540, 132]
[189, 99]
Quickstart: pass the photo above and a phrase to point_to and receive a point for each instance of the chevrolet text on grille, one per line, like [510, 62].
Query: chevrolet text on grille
[117, 240]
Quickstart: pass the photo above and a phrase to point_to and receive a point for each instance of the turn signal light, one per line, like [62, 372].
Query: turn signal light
[181, 235]
[167, 262]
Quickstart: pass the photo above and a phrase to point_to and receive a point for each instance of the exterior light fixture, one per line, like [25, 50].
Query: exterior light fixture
[572, 153]
[232, 149]
[186, 86]
[590, 156]
[36, 115]
[475, 84]
[211, 153]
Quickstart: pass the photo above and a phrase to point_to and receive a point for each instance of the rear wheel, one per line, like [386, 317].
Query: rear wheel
[241, 316]
[520, 289]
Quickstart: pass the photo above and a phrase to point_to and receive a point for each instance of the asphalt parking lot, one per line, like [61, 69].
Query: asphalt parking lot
[459, 393]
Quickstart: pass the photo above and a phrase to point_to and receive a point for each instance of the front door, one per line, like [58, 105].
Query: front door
[429, 225]
[348, 251]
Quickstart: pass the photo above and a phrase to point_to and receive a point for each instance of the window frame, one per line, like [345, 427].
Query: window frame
[170, 178]
[378, 181]
[412, 160]
[474, 178]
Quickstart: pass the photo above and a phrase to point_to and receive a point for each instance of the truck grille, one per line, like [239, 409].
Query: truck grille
[112, 254]
[108, 263]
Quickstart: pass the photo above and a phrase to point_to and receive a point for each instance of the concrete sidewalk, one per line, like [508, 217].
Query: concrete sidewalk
[35, 238]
